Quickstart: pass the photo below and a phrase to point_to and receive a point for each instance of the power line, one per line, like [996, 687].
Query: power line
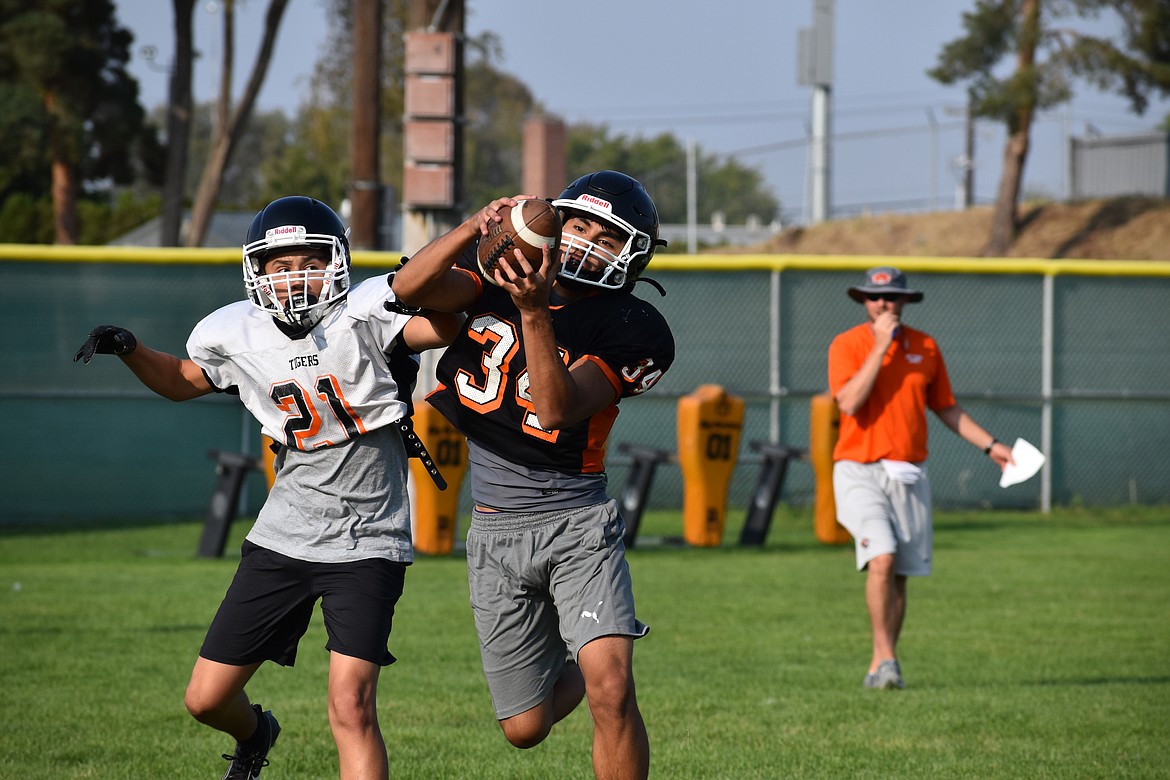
[761, 112]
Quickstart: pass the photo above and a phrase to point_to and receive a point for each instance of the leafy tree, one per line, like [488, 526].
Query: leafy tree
[1048, 57]
[70, 118]
[275, 156]
[660, 163]
[24, 124]
[314, 158]
[322, 133]
[178, 123]
[307, 159]
[496, 105]
[26, 219]
[101, 222]
[231, 120]
[259, 145]
[740, 193]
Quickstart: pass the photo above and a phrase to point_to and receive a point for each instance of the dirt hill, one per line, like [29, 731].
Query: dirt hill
[1117, 229]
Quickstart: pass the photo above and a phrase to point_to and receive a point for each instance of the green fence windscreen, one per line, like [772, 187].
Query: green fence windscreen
[91, 442]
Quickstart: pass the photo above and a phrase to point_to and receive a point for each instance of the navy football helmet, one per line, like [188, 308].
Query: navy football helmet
[296, 221]
[623, 202]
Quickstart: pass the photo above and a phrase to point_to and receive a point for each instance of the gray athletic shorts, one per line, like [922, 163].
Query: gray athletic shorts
[885, 516]
[543, 585]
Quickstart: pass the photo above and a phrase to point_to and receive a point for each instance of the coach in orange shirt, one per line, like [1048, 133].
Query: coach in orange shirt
[884, 375]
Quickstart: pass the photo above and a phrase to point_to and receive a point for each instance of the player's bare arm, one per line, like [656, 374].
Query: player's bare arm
[884, 323]
[429, 281]
[957, 419]
[854, 393]
[561, 395]
[171, 377]
[433, 330]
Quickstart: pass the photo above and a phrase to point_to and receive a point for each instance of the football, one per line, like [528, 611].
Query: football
[527, 226]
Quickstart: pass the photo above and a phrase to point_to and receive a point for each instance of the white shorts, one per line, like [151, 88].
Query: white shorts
[885, 516]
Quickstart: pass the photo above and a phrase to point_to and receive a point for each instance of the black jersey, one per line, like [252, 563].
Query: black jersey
[483, 377]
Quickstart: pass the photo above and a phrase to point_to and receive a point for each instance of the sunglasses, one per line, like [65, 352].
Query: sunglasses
[891, 297]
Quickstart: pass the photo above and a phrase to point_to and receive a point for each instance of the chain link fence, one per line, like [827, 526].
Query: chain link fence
[1073, 356]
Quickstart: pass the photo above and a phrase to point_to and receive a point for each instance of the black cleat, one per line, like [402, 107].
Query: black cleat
[246, 762]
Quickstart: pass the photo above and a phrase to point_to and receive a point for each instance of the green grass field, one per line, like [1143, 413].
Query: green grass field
[1040, 648]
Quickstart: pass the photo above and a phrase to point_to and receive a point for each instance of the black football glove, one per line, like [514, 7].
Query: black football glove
[108, 340]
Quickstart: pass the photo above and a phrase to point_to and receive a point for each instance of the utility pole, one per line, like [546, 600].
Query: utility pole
[815, 68]
[365, 188]
[964, 164]
[969, 178]
[179, 113]
[432, 175]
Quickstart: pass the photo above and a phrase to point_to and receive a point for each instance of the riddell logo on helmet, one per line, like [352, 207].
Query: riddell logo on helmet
[285, 232]
[605, 204]
[881, 277]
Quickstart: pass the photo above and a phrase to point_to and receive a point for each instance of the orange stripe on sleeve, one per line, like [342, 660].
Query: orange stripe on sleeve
[474, 277]
[605, 369]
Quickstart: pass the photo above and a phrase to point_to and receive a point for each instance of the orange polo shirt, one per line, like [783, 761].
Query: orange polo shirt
[912, 379]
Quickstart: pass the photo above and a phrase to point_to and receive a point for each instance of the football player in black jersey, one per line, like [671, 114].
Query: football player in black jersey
[547, 352]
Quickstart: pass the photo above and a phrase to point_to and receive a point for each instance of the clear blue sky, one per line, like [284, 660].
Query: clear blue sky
[722, 73]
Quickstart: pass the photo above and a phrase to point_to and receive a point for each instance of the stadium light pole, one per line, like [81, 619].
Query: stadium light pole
[815, 68]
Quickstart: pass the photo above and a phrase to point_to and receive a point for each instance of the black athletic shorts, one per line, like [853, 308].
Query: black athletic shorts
[267, 608]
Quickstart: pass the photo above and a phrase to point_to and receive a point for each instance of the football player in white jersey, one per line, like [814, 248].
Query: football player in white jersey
[327, 372]
[534, 381]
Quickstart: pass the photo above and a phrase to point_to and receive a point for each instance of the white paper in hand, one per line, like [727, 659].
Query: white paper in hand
[1028, 461]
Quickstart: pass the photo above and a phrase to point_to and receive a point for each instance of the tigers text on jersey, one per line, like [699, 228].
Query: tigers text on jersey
[483, 377]
[327, 387]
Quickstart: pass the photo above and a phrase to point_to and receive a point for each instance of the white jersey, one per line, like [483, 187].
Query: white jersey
[340, 492]
[329, 386]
